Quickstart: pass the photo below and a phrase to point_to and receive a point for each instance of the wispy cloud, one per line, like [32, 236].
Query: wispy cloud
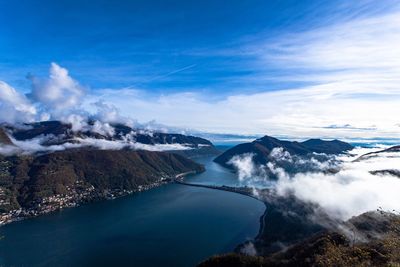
[349, 71]
[349, 127]
[301, 112]
[360, 55]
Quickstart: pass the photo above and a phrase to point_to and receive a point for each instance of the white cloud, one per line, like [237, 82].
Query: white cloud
[106, 112]
[244, 165]
[103, 128]
[302, 112]
[78, 122]
[8, 150]
[348, 193]
[354, 67]
[14, 107]
[59, 97]
[369, 44]
[117, 144]
[279, 154]
[36, 144]
[57, 93]
[351, 191]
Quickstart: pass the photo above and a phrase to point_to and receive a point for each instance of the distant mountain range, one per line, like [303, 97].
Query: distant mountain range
[261, 149]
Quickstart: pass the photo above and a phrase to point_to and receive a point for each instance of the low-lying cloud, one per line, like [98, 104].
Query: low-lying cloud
[244, 165]
[349, 191]
[38, 144]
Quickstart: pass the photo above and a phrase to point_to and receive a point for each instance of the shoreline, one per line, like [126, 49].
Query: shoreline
[59, 201]
[262, 222]
[242, 191]
[75, 199]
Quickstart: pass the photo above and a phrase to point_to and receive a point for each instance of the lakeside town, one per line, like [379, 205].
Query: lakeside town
[77, 195]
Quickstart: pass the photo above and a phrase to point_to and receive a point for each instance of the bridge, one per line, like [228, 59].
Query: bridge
[244, 190]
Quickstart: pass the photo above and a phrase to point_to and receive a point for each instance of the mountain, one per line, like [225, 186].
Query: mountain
[393, 172]
[81, 175]
[50, 165]
[262, 147]
[390, 152]
[59, 133]
[393, 149]
[49, 136]
[327, 147]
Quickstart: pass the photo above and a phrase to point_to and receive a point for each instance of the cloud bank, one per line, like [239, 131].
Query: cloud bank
[37, 144]
[351, 191]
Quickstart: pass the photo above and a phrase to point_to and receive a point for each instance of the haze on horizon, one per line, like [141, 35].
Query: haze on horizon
[312, 69]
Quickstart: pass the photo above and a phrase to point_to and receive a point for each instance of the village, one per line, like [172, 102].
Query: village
[77, 195]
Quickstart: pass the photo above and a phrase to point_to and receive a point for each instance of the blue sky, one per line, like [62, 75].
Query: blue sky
[175, 61]
[114, 44]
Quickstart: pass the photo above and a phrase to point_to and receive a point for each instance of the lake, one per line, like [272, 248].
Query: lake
[172, 225]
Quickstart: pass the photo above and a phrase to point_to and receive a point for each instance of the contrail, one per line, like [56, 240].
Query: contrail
[165, 75]
[175, 71]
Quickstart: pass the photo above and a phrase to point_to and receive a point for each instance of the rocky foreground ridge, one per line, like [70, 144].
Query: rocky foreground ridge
[289, 239]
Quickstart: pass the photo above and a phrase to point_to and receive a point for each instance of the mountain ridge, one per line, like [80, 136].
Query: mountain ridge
[49, 136]
[45, 166]
[262, 147]
[116, 132]
[32, 185]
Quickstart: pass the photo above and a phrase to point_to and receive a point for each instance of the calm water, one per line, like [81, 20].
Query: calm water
[173, 225]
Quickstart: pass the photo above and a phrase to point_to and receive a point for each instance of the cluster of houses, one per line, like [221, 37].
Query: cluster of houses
[75, 196]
